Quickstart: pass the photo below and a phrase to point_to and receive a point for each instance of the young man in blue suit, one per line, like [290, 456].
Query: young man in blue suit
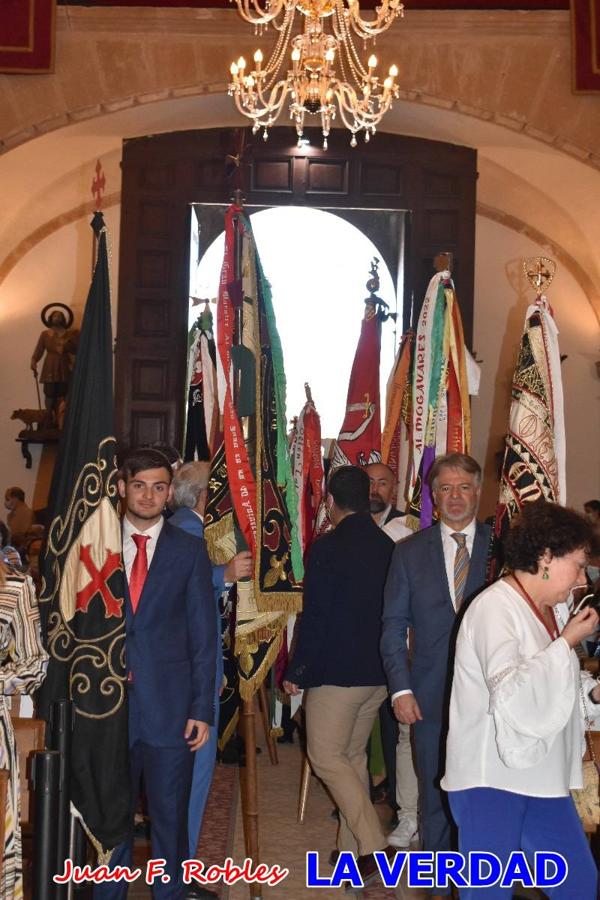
[432, 574]
[190, 486]
[171, 663]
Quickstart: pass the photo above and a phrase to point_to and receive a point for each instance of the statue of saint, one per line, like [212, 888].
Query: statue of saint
[59, 344]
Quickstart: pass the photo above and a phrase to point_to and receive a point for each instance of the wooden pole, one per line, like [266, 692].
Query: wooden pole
[250, 795]
[264, 714]
[304, 785]
[250, 781]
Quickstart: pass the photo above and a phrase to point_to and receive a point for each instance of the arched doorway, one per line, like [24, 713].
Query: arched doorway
[162, 175]
[318, 283]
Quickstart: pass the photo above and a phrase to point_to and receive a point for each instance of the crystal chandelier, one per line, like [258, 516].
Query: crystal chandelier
[304, 66]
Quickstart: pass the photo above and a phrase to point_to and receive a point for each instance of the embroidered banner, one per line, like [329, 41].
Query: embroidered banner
[27, 36]
[534, 462]
[585, 29]
[81, 598]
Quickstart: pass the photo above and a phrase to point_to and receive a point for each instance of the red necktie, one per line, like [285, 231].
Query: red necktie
[139, 569]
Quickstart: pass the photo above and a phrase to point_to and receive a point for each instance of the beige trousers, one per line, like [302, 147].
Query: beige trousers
[407, 786]
[339, 721]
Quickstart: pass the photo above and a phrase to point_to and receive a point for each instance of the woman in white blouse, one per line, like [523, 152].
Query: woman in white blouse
[516, 735]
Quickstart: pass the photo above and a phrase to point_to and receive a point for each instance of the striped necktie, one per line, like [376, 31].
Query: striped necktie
[461, 567]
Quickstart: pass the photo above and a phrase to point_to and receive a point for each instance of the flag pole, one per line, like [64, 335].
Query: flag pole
[248, 715]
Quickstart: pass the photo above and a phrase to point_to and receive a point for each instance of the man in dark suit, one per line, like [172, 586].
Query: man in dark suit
[190, 486]
[337, 658]
[431, 575]
[170, 653]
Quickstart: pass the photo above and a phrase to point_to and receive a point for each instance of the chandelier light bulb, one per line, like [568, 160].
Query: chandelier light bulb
[295, 55]
[372, 61]
[233, 69]
[389, 81]
[330, 55]
[258, 57]
[241, 63]
[394, 71]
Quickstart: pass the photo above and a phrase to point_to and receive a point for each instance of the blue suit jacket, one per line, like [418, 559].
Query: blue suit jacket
[170, 642]
[189, 521]
[417, 596]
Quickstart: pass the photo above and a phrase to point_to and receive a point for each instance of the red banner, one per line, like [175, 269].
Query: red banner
[585, 29]
[241, 480]
[27, 36]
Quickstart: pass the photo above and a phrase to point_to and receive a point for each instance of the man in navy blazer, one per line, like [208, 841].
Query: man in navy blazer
[170, 654]
[337, 658]
[190, 486]
[431, 576]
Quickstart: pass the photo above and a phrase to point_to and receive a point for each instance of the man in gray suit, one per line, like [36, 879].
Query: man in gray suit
[431, 575]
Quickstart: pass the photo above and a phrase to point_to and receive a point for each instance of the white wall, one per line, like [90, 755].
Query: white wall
[501, 299]
[58, 269]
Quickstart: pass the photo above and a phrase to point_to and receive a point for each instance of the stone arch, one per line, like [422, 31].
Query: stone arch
[474, 63]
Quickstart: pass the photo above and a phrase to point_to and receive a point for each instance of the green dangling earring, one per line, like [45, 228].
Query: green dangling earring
[545, 575]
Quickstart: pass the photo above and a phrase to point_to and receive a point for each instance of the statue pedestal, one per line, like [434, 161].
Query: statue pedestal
[35, 436]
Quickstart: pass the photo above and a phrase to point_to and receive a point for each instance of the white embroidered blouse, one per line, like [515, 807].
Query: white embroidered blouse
[516, 721]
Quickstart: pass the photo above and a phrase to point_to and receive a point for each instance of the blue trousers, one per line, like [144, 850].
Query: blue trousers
[436, 820]
[204, 767]
[501, 822]
[167, 775]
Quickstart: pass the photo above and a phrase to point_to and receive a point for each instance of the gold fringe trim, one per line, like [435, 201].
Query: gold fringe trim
[220, 540]
[103, 856]
[249, 686]
[286, 603]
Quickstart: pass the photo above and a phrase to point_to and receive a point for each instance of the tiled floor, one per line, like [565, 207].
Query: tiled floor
[285, 842]
[282, 839]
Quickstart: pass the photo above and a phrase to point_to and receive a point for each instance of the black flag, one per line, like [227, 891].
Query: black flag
[82, 600]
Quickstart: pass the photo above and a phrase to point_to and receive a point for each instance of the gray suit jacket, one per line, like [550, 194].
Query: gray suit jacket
[417, 597]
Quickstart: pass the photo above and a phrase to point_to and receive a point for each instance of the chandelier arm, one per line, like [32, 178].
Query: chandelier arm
[385, 15]
[270, 108]
[260, 15]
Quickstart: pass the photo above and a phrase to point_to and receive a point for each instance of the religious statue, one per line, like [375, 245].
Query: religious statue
[59, 344]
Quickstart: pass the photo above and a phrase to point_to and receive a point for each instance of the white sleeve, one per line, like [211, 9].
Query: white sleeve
[531, 698]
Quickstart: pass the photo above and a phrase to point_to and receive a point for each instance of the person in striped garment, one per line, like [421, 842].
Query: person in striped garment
[23, 663]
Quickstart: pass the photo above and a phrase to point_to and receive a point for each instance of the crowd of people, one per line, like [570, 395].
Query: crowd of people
[486, 680]
[478, 692]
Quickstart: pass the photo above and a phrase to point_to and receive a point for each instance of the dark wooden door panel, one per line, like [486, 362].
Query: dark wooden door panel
[162, 175]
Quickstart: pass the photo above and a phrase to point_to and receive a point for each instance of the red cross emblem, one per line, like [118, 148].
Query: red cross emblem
[99, 582]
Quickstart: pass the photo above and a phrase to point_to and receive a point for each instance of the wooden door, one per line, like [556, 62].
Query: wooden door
[162, 175]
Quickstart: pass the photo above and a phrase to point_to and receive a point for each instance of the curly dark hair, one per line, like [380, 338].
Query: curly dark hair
[545, 526]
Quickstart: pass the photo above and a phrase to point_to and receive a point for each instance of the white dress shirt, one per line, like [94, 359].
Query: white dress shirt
[515, 711]
[129, 546]
[396, 529]
[449, 547]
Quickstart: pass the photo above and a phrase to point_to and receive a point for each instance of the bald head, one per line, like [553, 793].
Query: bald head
[382, 481]
[190, 485]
